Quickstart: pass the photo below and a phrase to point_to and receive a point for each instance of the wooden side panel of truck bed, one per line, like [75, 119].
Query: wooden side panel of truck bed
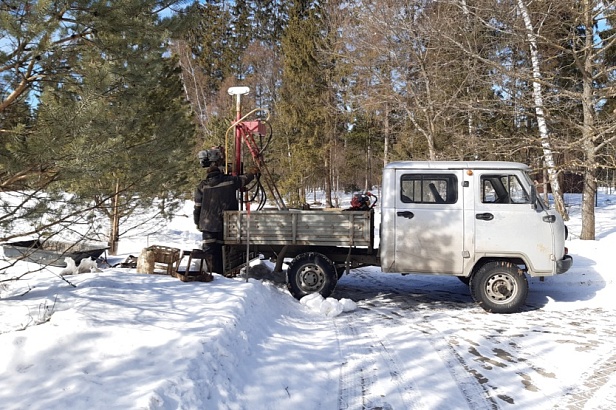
[299, 227]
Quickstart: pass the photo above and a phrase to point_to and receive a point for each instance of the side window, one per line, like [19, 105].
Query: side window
[429, 189]
[503, 189]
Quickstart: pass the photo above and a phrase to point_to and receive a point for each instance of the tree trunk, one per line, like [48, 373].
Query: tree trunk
[114, 235]
[588, 204]
[328, 180]
[386, 136]
[329, 203]
[469, 113]
[545, 186]
[368, 181]
[539, 111]
[590, 173]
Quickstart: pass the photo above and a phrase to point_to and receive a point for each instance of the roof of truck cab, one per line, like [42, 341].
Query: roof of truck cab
[457, 165]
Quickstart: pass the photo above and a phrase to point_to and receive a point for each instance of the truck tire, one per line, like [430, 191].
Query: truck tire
[499, 287]
[311, 273]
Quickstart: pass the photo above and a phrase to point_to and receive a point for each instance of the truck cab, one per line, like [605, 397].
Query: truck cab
[480, 221]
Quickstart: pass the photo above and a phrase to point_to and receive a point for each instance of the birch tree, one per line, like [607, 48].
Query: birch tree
[540, 110]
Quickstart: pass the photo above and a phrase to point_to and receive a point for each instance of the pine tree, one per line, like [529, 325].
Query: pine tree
[305, 102]
[270, 18]
[113, 130]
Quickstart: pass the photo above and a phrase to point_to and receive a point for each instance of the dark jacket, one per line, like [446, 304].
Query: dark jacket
[214, 195]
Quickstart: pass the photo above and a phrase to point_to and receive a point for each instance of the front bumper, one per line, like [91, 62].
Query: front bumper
[564, 264]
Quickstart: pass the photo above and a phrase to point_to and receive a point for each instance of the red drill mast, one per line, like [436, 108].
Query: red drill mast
[245, 131]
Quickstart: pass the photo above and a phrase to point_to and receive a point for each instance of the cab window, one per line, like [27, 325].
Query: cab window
[428, 189]
[503, 189]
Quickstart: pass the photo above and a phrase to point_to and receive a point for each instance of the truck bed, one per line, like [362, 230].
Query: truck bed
[301, 227]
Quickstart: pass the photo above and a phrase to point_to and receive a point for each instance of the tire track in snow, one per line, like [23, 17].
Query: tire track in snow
[598, 389]
[354, 374]
[367, 358]
[597, 386]
[472, 384]
[587, 330]
[494, 364]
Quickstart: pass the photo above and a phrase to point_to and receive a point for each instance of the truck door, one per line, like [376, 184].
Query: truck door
[429, 224]
[506, 225]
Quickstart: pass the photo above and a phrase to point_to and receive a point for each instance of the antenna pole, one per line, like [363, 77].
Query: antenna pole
[238, 92]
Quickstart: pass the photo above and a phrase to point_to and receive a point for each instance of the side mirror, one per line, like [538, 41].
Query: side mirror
[533, 197]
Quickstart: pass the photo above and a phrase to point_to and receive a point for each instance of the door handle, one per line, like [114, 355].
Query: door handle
[485, 217]
[549, 219]
[406, 214]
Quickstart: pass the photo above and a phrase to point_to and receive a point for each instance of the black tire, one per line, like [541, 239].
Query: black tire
[499, 287]
[311, 273]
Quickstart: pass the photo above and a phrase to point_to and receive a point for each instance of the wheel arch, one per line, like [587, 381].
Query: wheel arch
[515, 260]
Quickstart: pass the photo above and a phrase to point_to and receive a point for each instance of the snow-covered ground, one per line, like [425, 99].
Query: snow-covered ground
[120, 340]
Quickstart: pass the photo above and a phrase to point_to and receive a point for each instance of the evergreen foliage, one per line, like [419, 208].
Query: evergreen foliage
[112, 130]
[305, 107]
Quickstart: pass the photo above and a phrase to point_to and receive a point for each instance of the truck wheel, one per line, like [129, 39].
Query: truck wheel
[499, 287]
[311, 273]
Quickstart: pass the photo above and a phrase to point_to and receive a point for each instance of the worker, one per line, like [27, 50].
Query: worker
[214, 195]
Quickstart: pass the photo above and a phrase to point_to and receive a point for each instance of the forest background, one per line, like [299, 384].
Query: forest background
[104, 104]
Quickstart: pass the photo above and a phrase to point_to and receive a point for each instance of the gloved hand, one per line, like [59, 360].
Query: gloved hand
[254, 171]
[196, 214]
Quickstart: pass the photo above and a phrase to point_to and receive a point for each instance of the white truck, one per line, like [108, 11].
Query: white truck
[480, 221]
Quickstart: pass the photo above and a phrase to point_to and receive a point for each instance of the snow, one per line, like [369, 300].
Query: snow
[116, 339]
